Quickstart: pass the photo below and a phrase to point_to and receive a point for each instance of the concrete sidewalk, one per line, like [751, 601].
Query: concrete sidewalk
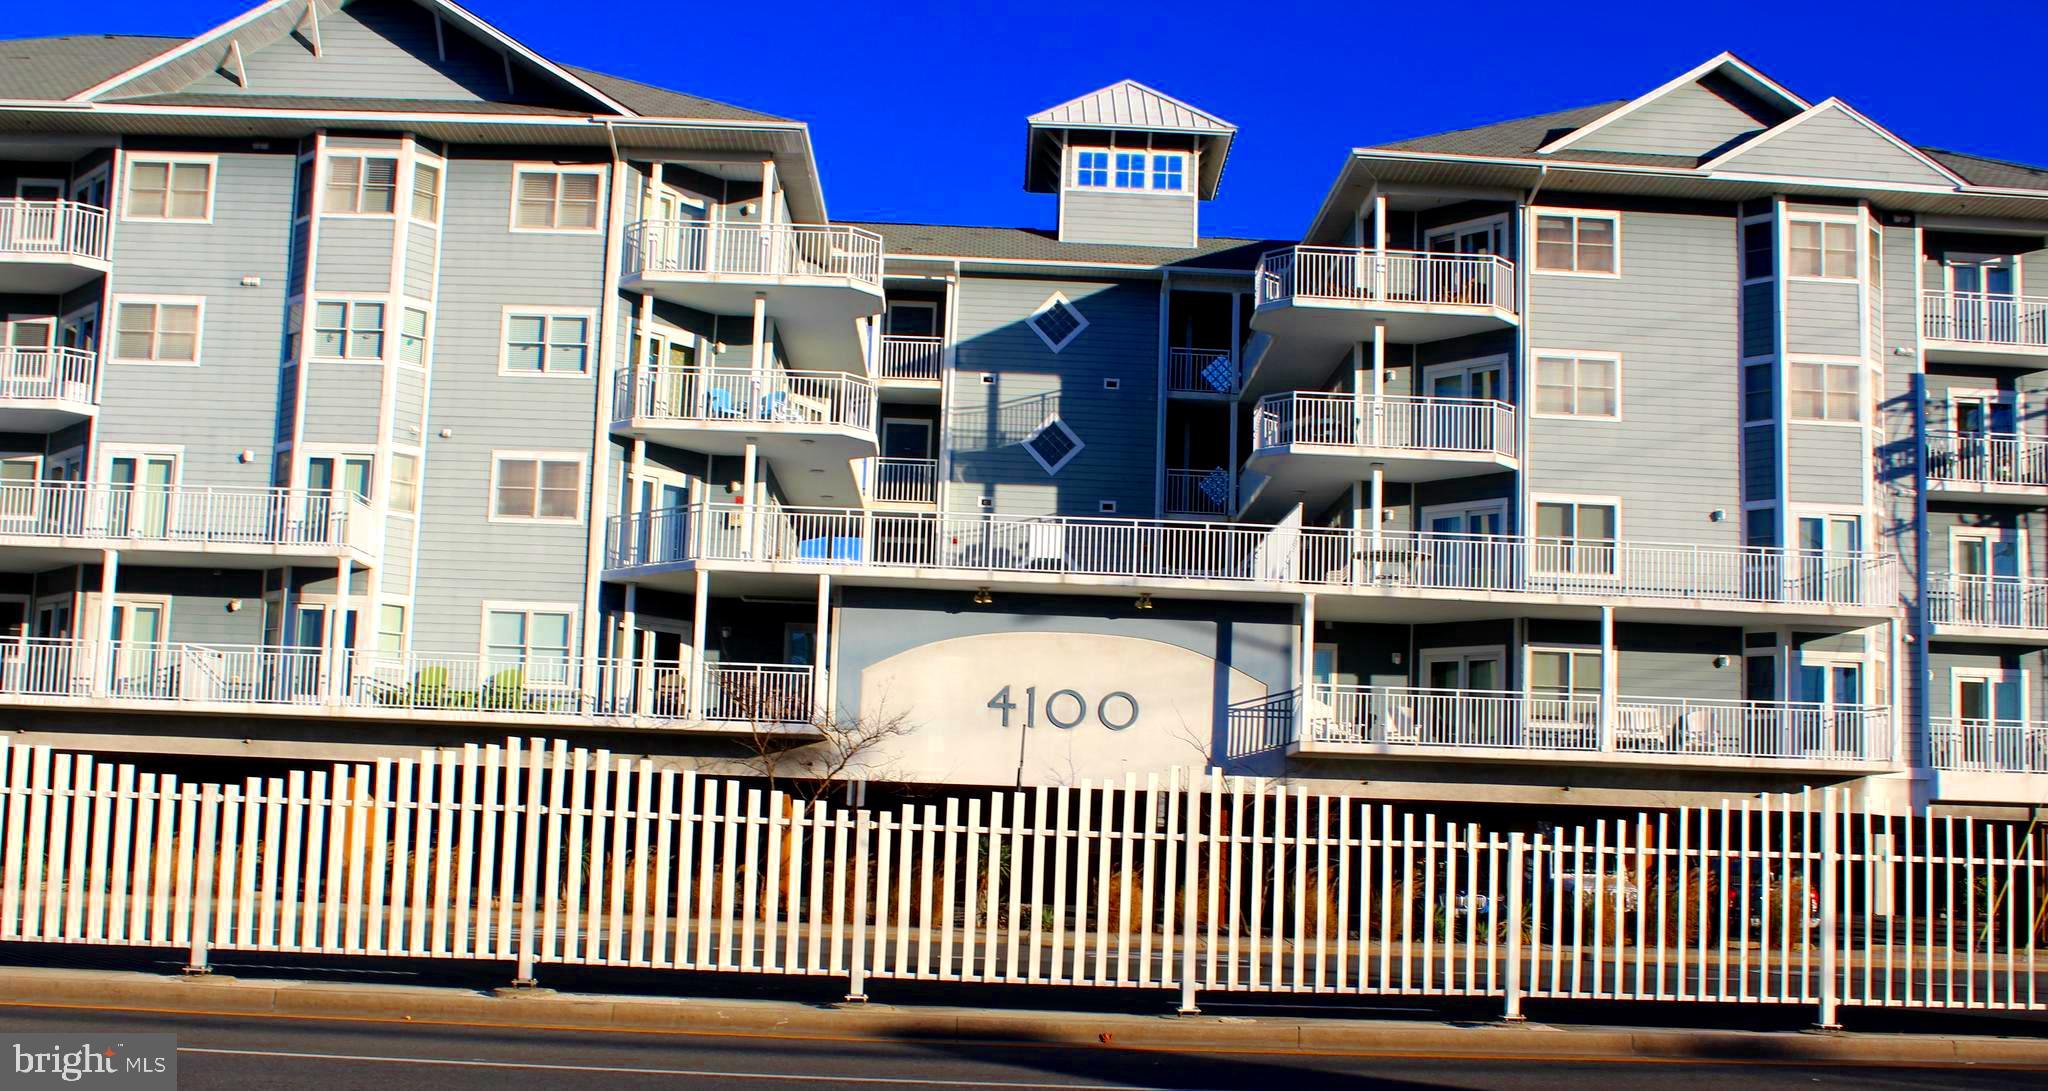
[542, 1009]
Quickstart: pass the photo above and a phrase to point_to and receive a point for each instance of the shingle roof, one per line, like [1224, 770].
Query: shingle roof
[1981, 171]
[1517, 137]
[329, 102]
[655, 101]
[1033, 244]
[51, 69]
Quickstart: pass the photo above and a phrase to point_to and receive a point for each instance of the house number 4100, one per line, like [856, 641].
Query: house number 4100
[1065, 708]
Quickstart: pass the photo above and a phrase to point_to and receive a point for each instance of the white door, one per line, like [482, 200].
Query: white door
[1985, 291]
[39, 226]
[1830, 549]
[141, 504]
[26, 365]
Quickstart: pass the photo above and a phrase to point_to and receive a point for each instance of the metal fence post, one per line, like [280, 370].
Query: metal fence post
[857, 977]
[1513, 1012]
[1191, 851]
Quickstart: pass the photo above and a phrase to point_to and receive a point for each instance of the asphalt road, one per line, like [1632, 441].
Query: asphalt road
[260, 1053]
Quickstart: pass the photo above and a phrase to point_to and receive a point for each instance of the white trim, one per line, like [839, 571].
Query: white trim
[597, 170]
[323, 178]
[1863, 385]
[1497, 220]
[580, 458]
[1713, 165]
[1993, 677]
[548, 314]
[1530, 651]
[1536, 357]
[1498, 505]
[489, 606]
[55, 183]
[1052, 469]
[169, 159]
[1461, 655]
[1714, 64]
[882, 434]
[105, 456]
[1057, 299]
[910, 305]
[1993, 537]
[310, 307]
[1533, 245]
[110, 334]
[1857, 256]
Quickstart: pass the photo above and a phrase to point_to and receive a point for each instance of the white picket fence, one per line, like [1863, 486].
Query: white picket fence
[536, 853]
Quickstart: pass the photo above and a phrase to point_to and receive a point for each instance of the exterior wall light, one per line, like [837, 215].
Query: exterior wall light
[982, 597]
[1145, 601]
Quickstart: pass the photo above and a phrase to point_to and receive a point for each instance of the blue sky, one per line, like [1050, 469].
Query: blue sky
[918, 110]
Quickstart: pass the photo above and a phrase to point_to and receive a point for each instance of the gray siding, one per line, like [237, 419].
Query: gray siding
[989, 422]
[199, 601]
[341, 403]
[1826, 464]
[1831, 144]
[1671, 316]
[408, 404]
[383, 48]
[234, 388]
[420, 243]
[1136, 218]
[1822, 318]
[355, 255]
[1691, 120]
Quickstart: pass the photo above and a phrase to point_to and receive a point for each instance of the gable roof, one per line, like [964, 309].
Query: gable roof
[1025, 245]
[1841, 142]
[1726, 65]
[54, 69]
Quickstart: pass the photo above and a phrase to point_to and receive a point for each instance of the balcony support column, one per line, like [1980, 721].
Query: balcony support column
[1378, 289]
[103, 663]
[1609, 673]
[1377, 513]
[625, 651]
[820, 642]
[1307, 653]
[336, 654]
[700, 606]
[1379, 381]
[749, 478]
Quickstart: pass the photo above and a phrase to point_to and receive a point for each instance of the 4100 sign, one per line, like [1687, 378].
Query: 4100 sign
[1066, 708]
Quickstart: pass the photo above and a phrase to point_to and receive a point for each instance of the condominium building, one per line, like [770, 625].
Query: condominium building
[371, 381]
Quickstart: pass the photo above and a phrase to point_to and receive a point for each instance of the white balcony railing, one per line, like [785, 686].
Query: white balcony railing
[1985, 318]
[901, 480]
[816, 398]
[141, 514]
[1201, 371]
[1978, 459]
[1460, 425]
[1657, 727]
[53, 229]
[1255, 553]
[1198, 492]
[216, 675]
[49, 375]
[1988, 746]
[1405, 277]
[910, 359]
[754, 251]
[1989, 602]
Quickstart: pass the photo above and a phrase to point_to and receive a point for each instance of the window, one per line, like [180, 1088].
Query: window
[1169, 172]
[1578, 385]
[426, 192]
[169, 190]
[1130, 170]
[361, 185]
[346, 329]
[537, 487]
[1057, 323]
[405, 482]
[556, 200]
[1822, 249]
[1757, 394]
[1575, 537]
[534, 640]
[1824, 391]
[412, 337]
[542, 343]
[1560, 673]
[1758, 257]
[1053, 445]
[390, 629]
[1578, 242]
[1091, 169]
[157, 332]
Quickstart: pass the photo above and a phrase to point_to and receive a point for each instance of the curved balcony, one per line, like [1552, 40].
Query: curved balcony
[1984, 328]
[1999, 467]
[45, 524]
[48, 247]
[813, 423]
[816, 279]
[1309, 447]
[1988, 609]
[42, 390]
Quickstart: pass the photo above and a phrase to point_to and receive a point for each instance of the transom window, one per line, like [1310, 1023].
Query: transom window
[557, 200]
[157, 332]
[358, 184]
[1825, 391]
[537, 487]
[1053, 445]
[1577, 385]
[169, 190]
[1057, 323]
[547, 344]
[1578, 242]
[1819, 248]
[347, 329]
[1136, 170]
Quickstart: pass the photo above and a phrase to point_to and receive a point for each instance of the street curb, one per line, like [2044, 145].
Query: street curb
[118, 990]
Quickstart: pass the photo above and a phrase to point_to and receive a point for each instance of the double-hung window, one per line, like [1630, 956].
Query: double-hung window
[426, 192]
[1575, 538]
[1821, 248]
[412, 337]
[155, 332]
[405, 482]
[546, 343]
[537, 488]
[1578, 385]
[555, 199]
[361, 185]
[1578, 242]
[531, 641]
[390, 629]
[169, 189]
[1564, 683]
[348, 329]
[1823, 390]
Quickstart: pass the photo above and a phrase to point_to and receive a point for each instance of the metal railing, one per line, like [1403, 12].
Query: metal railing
[1960, 744]
[49, 375]
[775, 693]
[1986, 458]
[1396, 716]
[1299, 558]
[183, 513]
[1991, 602]
[1198, 492]
[1201, 371]
[1386, 276]
[754, 250]
[901, 480]
[65, 228]
[1986, 318]
[772, 396]
[1474, 425]
[917, 359]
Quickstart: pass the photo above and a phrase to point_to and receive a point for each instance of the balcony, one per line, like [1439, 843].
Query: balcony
[2007, 468]
[1984, 328]
[1965, 745]
[910, 367]
[910, 482]
[1309, 447]
[1253, 560]
[45, 524]
[813, 422]
[47, 247]
[307, 682]
[1201, 373]
[1988, 609]
[1204, 493]
[816, 280]
[1318, 299]
[42, 390]
[1467, 725]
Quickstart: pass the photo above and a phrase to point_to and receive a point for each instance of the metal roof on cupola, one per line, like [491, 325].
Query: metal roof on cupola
[1127, 111]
